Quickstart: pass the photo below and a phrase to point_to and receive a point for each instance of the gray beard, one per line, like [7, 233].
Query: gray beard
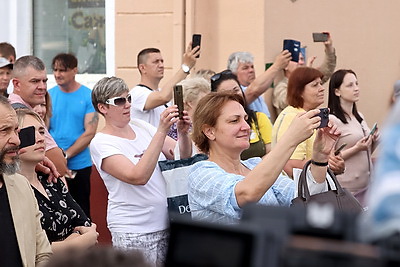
[8, 168]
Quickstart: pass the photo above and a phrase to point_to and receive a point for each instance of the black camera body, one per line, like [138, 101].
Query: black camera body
[324, 115]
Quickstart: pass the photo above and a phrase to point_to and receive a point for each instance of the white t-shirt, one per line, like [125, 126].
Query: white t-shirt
[132, 208]
[139, 96]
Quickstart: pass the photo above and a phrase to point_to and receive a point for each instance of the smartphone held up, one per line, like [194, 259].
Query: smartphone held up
[293, 47]
[320, 36]
[196, 41]
[324, 115]
[178, 99]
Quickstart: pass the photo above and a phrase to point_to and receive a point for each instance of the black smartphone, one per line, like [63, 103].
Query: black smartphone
[178, 99]
[373, 130]
[27, 136]
[337, 151]
[293, 47]
[196, 41]
[324, 114]
[320, 36]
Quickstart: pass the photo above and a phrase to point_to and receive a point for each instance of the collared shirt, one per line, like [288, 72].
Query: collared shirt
[212, 195]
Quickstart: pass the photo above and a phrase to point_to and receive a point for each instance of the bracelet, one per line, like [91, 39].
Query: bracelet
[320, 164]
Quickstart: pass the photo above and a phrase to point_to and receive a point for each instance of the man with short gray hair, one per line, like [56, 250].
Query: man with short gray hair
[30, 88]
[242, 64]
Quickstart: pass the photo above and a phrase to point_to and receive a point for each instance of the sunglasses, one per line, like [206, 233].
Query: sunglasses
[119, 100]
[217, 76]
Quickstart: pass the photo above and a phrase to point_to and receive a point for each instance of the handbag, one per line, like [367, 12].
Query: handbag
[175, 173]
[340, 198]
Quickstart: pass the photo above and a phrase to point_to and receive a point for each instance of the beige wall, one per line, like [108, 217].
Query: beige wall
[364, 34]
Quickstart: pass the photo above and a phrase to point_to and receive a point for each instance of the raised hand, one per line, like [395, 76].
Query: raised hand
[183, 125]
[168, 117]
[303, 126]
[189, 57]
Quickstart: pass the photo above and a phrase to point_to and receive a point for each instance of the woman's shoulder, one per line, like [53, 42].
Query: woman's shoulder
[138, 124]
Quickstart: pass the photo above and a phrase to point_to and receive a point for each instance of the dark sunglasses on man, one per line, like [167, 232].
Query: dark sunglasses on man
[119, 100]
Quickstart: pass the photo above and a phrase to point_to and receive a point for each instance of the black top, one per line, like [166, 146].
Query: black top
[9, 251]
[60, 213]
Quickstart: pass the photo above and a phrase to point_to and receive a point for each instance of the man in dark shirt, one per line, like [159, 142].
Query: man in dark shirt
[22, 240]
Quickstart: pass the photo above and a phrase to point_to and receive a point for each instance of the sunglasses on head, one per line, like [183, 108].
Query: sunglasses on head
[119, 100]
[217, 76]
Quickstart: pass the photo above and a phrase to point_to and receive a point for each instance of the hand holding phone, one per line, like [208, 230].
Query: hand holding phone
[196, 41]
[373, 130]
[27, 136]
[337, 151]
[324, 115]
[293, 47]
[320, 36]
[178, 99]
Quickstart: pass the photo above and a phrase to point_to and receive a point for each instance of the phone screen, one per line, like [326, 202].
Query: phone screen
[196, 41]
[293, 47]
[27, 136]
[178, 99]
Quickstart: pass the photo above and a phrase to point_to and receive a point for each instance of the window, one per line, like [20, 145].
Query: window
[73, 26]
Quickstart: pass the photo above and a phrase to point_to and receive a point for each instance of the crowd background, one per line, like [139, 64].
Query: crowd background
[364, 39]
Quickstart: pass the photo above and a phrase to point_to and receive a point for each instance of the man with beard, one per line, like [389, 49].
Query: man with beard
[22, 240]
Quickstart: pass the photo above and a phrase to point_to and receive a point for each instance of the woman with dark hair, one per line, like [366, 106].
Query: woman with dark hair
[343, 95]
[304, 93]
[261, 127]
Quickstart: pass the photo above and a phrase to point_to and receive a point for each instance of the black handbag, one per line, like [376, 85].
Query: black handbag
[340, 199]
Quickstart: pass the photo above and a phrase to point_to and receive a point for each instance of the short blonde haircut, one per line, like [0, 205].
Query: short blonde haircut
[192, 88]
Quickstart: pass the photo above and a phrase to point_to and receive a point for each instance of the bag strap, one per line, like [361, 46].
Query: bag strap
[257, 128]
[302, 187]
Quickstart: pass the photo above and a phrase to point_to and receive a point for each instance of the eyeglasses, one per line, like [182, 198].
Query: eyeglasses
[217, 76]
[119, 100]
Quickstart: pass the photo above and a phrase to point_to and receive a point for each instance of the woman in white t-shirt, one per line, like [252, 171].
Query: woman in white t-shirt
[125, 153]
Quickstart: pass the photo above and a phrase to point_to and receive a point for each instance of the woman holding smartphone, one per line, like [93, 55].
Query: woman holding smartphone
[361, 141]
[304, 93]
[126, 152]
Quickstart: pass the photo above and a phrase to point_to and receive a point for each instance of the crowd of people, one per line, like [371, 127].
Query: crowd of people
[255, 131]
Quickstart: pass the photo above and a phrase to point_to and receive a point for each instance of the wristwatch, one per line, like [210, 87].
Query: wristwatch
[185, 68]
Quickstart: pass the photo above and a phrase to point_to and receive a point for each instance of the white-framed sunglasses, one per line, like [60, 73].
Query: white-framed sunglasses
[119, 100]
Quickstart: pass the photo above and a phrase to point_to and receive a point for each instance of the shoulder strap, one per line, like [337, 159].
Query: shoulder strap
[145, 86]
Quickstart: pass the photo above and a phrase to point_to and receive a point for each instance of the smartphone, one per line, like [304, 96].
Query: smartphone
[324, 114]
[293, 47]
[27, 136]
[196, 41]
[337, 151]
[320, 36]
[373, 129]
[178, 99]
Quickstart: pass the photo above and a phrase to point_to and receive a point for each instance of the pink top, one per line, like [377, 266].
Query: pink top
[358, 167]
